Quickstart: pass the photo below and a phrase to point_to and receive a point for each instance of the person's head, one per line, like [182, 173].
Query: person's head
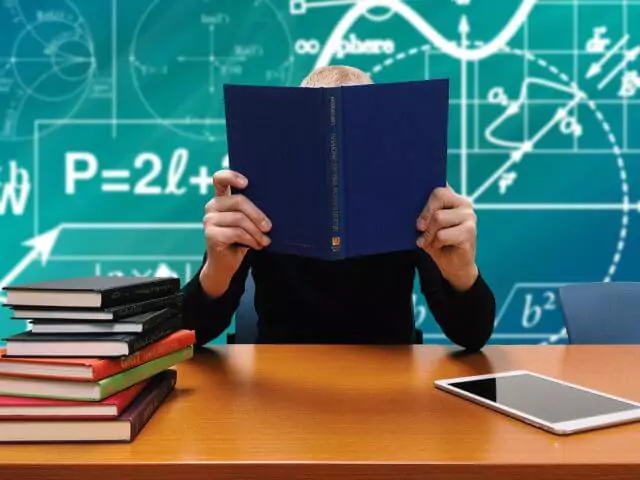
[336, 76]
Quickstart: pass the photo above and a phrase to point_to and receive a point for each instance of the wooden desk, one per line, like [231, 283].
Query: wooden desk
[344, 412]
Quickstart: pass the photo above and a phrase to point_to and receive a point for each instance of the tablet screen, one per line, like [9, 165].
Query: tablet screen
[542, 398]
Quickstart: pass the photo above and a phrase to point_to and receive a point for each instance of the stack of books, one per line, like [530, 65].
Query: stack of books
[95, 362]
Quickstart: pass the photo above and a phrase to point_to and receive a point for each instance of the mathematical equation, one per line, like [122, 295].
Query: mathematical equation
[135, 268]
[352, 45]
[147, 176]
[128, 172]
[619, 56]
[536, 309]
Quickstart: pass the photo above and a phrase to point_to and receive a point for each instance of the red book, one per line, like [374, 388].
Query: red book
[92, 369]
[124, 428]
[23, 408]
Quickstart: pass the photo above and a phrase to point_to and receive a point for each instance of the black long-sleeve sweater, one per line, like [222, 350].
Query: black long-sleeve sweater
[365, 300]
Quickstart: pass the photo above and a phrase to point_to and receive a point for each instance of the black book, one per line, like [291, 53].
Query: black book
[89, 345]
[111, 313]
[135, 324]
[91, 292]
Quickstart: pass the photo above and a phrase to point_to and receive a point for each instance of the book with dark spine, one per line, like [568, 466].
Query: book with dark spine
[110, 313]
[124, 428]
[349, 158]
[91, 292]
[92, 369]
[28, 344]
[135, 324]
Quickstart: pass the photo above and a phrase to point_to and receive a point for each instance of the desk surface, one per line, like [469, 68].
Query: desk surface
[337, 412]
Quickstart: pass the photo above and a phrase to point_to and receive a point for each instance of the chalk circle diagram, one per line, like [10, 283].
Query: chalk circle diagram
[47, 63]
[213, 42]
[527, 187]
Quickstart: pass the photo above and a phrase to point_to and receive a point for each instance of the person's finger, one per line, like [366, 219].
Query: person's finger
[224, 179]
[231, 235]
[454, 236]
[240, 203]
[440, 199]
[444, 219]
[237, 219]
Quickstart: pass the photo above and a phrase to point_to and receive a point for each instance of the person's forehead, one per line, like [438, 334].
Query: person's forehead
[332, 75]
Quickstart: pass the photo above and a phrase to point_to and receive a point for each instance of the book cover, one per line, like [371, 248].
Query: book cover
[116, 383]
[341, 172]
[87, 344]
[135, 324]
[16, 408]
[92, 369]
[90, 391]
[144, 407]
[94, 292]
[111, 313]
[124, 428]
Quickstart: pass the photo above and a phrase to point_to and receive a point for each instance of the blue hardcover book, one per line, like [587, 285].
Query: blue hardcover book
[341, 172]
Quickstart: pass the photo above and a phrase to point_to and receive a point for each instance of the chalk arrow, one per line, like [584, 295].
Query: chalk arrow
[594, 70]
[464, 28]
[632, 55]
[41, 248]
[596, 67]
[513, 109]
[628, 57]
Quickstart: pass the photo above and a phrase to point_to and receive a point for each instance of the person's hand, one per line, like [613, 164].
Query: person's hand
[448, 226]
[232, 224]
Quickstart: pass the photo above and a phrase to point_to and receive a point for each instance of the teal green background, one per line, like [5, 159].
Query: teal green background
[134, 82]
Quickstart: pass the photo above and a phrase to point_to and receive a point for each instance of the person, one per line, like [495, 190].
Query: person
[365, 300]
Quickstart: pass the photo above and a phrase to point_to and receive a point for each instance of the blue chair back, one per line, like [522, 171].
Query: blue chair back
[601, 313]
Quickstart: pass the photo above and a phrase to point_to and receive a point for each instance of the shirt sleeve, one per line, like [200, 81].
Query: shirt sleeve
[209, 317]
[466, 318]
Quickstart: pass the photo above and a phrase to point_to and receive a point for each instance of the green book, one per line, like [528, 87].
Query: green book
[90, 391]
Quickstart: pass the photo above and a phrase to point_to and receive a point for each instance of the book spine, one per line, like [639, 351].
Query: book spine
[144, 307]
[142, 412]
[119, 382]
[165, 346]
[336, 148]
[151, 336]
[137, 293]
[158, 318]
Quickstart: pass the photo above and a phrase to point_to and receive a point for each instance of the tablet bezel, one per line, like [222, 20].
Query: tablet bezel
[558, 428]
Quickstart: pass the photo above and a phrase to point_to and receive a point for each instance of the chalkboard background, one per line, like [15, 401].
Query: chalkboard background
[111, 125]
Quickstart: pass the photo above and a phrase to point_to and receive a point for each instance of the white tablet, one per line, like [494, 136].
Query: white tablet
[547, 403]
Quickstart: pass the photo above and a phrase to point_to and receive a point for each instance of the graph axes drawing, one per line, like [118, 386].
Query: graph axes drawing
[42, 245]
[566, 207]
[41, 248]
